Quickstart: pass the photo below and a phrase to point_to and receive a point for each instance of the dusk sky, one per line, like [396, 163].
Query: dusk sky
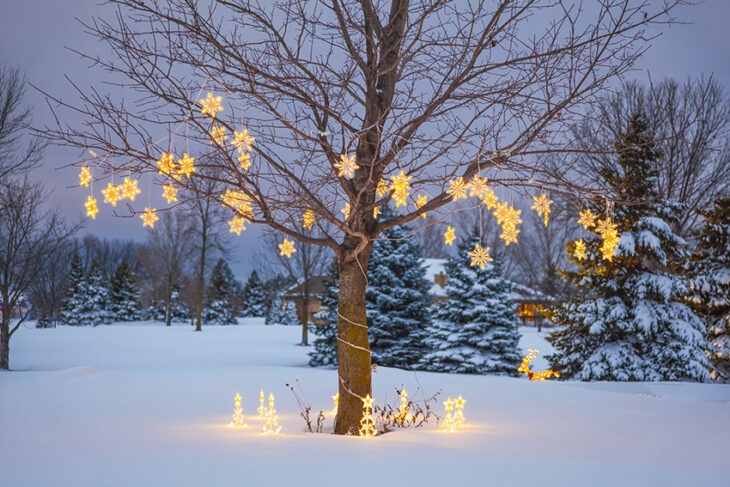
[33, 34]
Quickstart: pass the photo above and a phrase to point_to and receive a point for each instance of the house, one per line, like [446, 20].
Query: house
[528, 300]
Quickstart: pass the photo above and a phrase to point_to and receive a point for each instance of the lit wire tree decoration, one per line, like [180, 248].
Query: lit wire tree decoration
[404, 413]
[262, 405]
[238, 414]
[449, 424]
[335, 402]
[367, 423]
[91, 209]
[525, 367]
[459, 414]
[84, 177]
[271, 426]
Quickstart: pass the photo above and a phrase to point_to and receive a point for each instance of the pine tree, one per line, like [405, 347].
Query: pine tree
[71, 301]
[627, 323]
[398, 298]
[124, 294]
[220, 308]
[710, 288]
[179, 312]
[253, 297]
[93, 299]
[281, 312]
[475, 331]
[325, 344]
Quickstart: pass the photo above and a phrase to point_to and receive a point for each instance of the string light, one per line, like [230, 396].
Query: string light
[449, 235]
[169, 193]
[404, 413]
[91, 209]
[449, 424]
[542, 206]
[271, 426]
[346, 211]
[346, 166]
[459, 414]
[84, 177]
[130, 189]
[457, 188]
[237, 224]
[111, 194]
[186, 165]
[218, 135]
[211, 105]
[237, 414]
[149, 217]
[309, 219]
[525, 367]
[287, 248]
[479, 256]
[166, 163]
[335, 402]
[367, 423]
[580, 249]
[587, 219]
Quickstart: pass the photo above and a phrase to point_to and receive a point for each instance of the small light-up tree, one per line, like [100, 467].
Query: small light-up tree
[352, 103]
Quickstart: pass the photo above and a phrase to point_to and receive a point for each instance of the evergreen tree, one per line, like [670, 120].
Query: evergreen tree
[93, 305]
[398, 298]
[124, 294]
[253, 297]
[220, 308]
[281, 312]
[627, 324]
[71, 301]
[475, 331]
[710, 288]
[179, 312]
[325, 344]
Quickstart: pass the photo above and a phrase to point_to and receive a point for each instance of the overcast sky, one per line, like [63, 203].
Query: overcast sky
[33, 34]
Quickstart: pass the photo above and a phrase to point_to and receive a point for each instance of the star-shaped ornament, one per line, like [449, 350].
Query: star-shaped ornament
[479, 256]
[149, 217]
[605, 226]
[211, 105]
[580, 249]
[420, 201]
[244, 161]
[111, 194]
[501, 212]
[512, 217]
[382, 188]
[91, 209]
[346, 166]
[218, 135]
[186, 165]
[286, 248]
[367, 402]
[542, 206]
[308, 219]
[509, 234]
[457, 188]
[449, 235]
[130, 189]
[169, 193]
[166, 163]
[587, 219]
[237, 224]
[242, 141]
[84, 177]
[477, 187]
[489, 198]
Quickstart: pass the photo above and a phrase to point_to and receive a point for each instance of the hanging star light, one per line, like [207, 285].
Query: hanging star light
[149, 217]
[610, 243]
[501, 212]
[376, 212]
[605, 226]
[367, 423]
[239, 202]
[211, 105]
[169, 193]
[242, 141]
[346, 211]
[287, 248]
[479, 256]
[420, 201]
[542, 206]
[509, 234]
[382, 188]
[111, 194]
[309, 219]
[84, 177]
[166, 163]
[244, 161]
[346, 166]
[401, 186]
[489, 198]
[477, 187]
[449, 236]
[457, 188]
[580, 249]
[587, 219]
[218, 135]
[237, 224]
[186, 165]
[130, 189]
[91, 209]
[512, 217]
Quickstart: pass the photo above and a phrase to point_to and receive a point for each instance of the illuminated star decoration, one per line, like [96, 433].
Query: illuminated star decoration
[542, 206]
[84, 177]
[501, 212]
[449, 424]
[237, 224]
[244, 160]
[420, 201]
[382, 188]
[242, 141]
[238, 201]
[166, 163]
[401, 186]
[512, 217]
[271, 427]
[346, 166]
[376, 212]
[237, 414]
[367, 423]
[111, 194]
[169, 193]
[130, 189]
[587, 219]
[489, 198]
[509, 217]
[477, 187]
[346, 211]
[211, 105]
[91, 209]
[309, 219]
[287, 248]
[610, 236]
[479, 256]
[186, 165]
[335, 401]
[457, 188]
[449, 236]
[580, 249]
[218, 135]
[149, 217]
[509, 234]
[459, 414]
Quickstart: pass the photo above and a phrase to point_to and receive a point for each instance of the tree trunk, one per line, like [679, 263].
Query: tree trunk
[168, 318]
[353, 349]
[305, 309]
[201, 285]
[5, 341]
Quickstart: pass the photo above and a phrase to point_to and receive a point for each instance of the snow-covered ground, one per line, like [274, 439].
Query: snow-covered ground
[144, 405]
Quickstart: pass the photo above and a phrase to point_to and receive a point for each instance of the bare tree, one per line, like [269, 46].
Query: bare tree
[440, 90]
[48, 289]
[30, 235]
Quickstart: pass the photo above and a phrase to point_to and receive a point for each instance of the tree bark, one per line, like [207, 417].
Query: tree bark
[201, 283]
[5, 341]
[305, 308]
[353, 348]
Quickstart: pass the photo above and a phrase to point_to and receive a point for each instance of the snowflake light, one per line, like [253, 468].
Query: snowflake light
[244, 161]
[367, 423]
[271, 426]
[525, 367]
[457, 188]
[401, 186]
[382, 188]
[477, 187]
[237, 224]
[489, 198]
[420, 201]
[237, 414]
[376, 212]
[91, 209]
[169, 193]
[509, 234]
[605, 226]
[542, 206]
[239, 202]
[346, 211]
[287, 248]
[501, 212]
[580, 249]
[346, 166]
[449, 235]
[149, 217]
[186, 165]
[242, 141]
[512, 217]
[111, 194]
[449, 424]
[130, 189]
[218, 135]
[309, 219]
[166, 163]
[84, 177]
[479, 256]
[211, 105]
[587, 219]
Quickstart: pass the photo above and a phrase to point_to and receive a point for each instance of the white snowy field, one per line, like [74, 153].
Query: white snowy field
[144, 405]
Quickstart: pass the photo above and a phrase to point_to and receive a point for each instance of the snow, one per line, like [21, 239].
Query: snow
[145, 405]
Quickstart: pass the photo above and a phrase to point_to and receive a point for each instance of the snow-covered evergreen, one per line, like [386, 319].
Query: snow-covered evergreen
[627, 324]
[254, 302]
[71, 300]
[710, 289]
[124, 294]
[220, 307]
[324, 350]
[179, 312]
[398, 298]
[92, 303]
[281, 312]
[475, 331]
